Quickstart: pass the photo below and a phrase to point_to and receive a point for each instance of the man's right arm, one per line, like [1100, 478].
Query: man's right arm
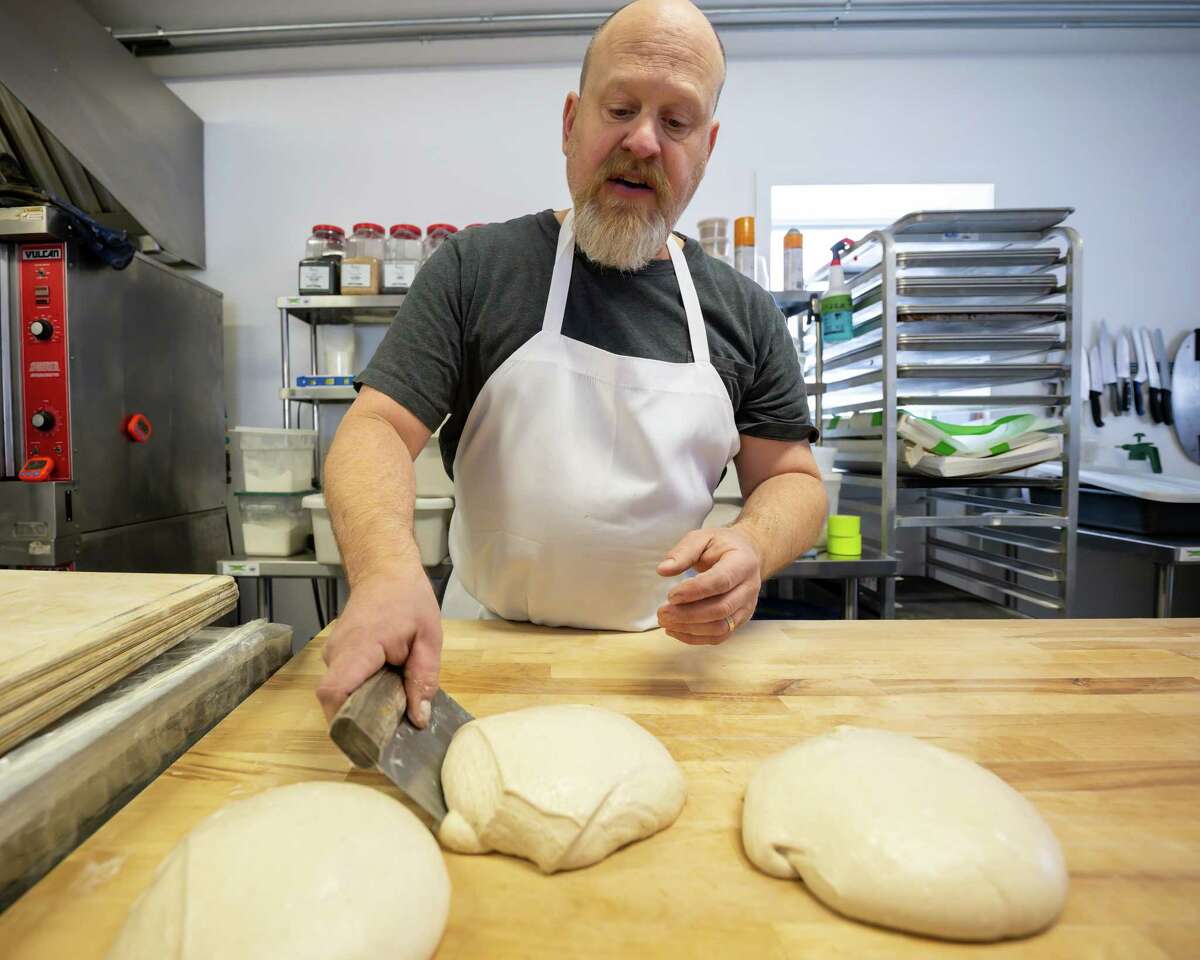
[392, 615]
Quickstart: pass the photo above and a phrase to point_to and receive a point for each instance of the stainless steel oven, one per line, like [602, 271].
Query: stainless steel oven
[112, 455]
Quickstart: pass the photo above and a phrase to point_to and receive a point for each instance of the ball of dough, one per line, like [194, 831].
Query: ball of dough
[312, 871]
[903, 834]
[563, 786]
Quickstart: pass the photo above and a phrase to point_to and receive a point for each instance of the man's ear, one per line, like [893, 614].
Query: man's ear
[569, 117]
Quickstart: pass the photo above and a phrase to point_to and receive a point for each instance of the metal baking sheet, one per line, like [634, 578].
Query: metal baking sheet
[1028, 285]
[58, 787]
[1012, 220]
[1002, 260]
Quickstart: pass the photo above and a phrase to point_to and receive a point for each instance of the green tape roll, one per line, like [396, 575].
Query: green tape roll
[844, 546]
[844, 525]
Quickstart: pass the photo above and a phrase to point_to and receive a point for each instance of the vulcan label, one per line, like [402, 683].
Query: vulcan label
[41, 253]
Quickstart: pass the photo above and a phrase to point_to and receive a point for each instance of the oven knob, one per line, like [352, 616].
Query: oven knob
[43, 420]
[41, 329]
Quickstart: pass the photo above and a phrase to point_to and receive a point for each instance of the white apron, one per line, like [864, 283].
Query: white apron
[578, 470]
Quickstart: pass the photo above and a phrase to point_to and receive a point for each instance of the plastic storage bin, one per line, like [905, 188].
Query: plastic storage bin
[431, 529]
[273, 524]
[272, 460]
[327, 548]
[432, 479]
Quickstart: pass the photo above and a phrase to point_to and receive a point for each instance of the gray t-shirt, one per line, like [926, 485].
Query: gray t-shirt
[482, 295]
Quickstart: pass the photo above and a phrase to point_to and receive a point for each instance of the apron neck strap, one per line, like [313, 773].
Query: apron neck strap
[560, 286]
[691, 303]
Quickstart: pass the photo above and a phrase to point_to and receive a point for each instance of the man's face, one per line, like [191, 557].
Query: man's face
[636, 145]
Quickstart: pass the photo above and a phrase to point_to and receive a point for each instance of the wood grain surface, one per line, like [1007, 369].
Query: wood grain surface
[1097, 722]
[65, 636]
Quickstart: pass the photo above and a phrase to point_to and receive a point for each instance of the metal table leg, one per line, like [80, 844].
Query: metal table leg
[331, 599]
[887, 598]
[850, 603]
[265, 598]
[1164, 581]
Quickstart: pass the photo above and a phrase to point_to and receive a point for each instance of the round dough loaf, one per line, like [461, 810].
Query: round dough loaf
[311, 871]
[563, 786]
[903, 834]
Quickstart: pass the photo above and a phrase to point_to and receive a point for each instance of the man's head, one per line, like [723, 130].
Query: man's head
[638, 134]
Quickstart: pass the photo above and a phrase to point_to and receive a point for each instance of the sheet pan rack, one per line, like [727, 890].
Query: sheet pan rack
[959, 313]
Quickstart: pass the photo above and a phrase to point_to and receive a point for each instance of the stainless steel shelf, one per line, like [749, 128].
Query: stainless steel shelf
[318, 394]
[1004, 221]
[379, 309]
[959, 344]
[1036, 571]
[1010, 538]
[915, 482]
[302, 565]
[966, 401]
[1004, 587]
[948, 376]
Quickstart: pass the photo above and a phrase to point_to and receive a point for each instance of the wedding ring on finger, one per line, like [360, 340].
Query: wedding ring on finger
[731, 623]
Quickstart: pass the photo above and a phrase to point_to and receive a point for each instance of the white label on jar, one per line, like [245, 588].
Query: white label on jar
[315, 277]
[356, 275]
[398, 273]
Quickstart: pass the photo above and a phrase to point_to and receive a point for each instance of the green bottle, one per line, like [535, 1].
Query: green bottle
[837, 308]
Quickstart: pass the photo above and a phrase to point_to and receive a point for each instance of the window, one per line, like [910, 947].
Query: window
[825, 213]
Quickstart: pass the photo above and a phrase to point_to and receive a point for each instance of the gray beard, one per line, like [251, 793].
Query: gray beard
[622, 239]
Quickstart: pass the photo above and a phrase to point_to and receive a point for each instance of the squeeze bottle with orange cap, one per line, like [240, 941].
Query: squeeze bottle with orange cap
[793, 260]
[743, 246]
[837, 309]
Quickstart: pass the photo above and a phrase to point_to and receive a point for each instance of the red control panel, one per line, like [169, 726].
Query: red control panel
[45, 394]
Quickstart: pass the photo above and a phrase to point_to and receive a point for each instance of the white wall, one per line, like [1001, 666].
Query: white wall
[1115, 136]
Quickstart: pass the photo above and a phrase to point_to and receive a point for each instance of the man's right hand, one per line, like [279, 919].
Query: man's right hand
[389, 619]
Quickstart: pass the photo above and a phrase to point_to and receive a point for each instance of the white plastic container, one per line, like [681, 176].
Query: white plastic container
[327, 548]
[431, 476]
[273, 524]
[431, 529]
[273, 460]
[337, 349]
[833, 490]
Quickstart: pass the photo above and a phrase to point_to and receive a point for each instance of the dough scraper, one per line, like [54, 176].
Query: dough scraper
[372, 730]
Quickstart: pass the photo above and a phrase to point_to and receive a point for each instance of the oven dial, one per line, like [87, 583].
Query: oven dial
[43, 420]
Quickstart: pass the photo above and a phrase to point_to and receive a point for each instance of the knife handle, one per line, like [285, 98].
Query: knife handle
[1164, 400]
[1138, 403]
[1094, 396]
[1156, 405]
[1125, 396]
[368, 718]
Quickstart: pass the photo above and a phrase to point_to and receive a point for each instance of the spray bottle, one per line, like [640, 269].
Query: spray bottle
[837, 309]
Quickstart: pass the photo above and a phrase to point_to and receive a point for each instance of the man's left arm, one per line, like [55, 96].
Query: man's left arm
[784, 509]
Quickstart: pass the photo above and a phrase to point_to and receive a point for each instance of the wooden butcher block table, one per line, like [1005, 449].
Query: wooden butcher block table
[1096, 721]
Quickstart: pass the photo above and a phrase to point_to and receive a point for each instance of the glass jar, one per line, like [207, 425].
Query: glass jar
[323, 252]
[326, 241]
[401, 257]
[364, 256]
[435, 234]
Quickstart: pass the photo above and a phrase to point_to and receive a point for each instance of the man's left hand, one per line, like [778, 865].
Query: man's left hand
[707, 608]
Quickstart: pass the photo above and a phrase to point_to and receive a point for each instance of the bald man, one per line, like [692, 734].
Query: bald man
[599, 372]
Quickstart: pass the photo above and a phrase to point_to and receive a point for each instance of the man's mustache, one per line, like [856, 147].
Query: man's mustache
[651, 174]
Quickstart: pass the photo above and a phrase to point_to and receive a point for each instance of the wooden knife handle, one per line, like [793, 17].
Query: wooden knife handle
[368, 718]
